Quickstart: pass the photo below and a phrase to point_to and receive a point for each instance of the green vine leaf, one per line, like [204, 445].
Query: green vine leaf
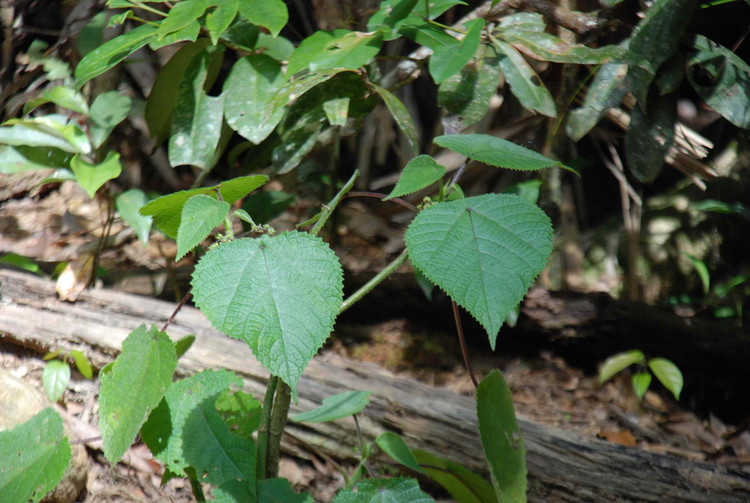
[279, 294]
[200, 215]
[396, 490]
[133, 386]
[483, 251]
[420, 172]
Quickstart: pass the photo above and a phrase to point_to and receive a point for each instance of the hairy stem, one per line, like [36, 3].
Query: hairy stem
[325, 213]
[375, 281]
[263, 429]
[278, 421]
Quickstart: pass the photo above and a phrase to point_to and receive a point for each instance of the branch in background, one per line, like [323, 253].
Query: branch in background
[576, 21]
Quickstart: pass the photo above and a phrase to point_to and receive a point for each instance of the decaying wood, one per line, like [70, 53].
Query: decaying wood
[563, 466]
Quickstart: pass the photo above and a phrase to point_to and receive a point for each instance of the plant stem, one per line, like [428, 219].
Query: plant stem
[377, 195]
[263, 429]
[325, 213]
[464, 350]
[177, 310]
[278, 421]
[375, 281]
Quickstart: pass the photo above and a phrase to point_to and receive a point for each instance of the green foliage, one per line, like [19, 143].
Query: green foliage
[128, 205]
[241, 412]
[419, 173]
[335, 407]
[665, 371]
[82, 364]
[55, 378]
[467, 93]
[641, 382]
[33, 458]
[394, 446]
[397, 490]
[334, 49]
[92, 176]
[649, 138]
[619, 362]
[501, 438]
[60, 96]
[183, 345]
[448, 60]
[200, 215]
[400, 115]
[463, 485]
[24, 263]
[668, 374]
[133, 387]
[271, 14]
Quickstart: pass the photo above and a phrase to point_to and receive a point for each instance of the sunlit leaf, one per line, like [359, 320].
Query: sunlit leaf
[271, 14]
[200, 215]
[420, 172]
[92, 176]
[55, 378]
[335, 49]
[668, 374]
[620, 362]
[128, 205]
[447, 61]
[61, 96]
[82, 364]
[641, 382]
[335, 407]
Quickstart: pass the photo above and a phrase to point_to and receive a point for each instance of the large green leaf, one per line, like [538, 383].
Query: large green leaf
[649, 138]
[497, 152]
[61, 96]
[33, 458]
[483, 251]
[468, 93]
[605, 91]
[523, 80]
[185, 430]
[51, 130]
[133, 386]
[447, 61]
[112, 52]
[335, 49]
[92, 176]
[400, 115]
[218, 20]
[396, 490]
[335, 407]
[420, 172]
[248, 90]
[200, 215]
[463, 485]
[722, 80]
[23, 158]
[271, 14]
[501, 438]
[279, 294]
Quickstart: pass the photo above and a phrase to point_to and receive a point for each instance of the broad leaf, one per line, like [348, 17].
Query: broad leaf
[269, 491]
[248, 91]
[605, 91]
[396, 490]
[51, 130]
[279, 294]
[483, 251]
[33, 458]
[220, 18]
[641, 382]
[420, 172]
[241, 412]
[497, 152]
[649, 138]
[400, 115]
[463, 485]
[181, 15]
[619, 362]
[133, 387]
[524, 82]
[112, 52]
[61, 96]
[336, 111]
[271, 14]
[335, 49]
[501, 439]
[55, 378]
[199, 217]
[128, 205]
[185, 430]
[23, 158]
[167, 210]
[335, 407]
[107, 111]
[92, 176]
[668, 374]
[447, 61]
[468, 93]
[396, 448]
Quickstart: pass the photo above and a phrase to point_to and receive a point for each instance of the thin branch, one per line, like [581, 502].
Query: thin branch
[464, 349]
[577, 21]
[378, 195]
[375, 281]
[177, 310]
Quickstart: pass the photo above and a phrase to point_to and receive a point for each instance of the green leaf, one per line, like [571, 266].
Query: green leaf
[336, 111]
[51, 130]
[199, 217]
[271, 14]
[641, 382]
[182, 345]
[181, 15]
[248, 90]
[463, 485]
[335, 49]
[293, 90]
[269, 491]
[185, 431]
[278, 48]
[649, 138]
[447, 61]
[82, 364]
[427, 34]
[61, 96]
[528, 190]
[221, 17]
[396, 490]
[400, 115]
[24, 263]
[296, 144]
[396, 448]
[107, 111]
[620, 362]
[197, 117]
[33, 458]
[605, 91]
[53, 67]
[335, 407]
[420, 172]
[134, 386]
[93, 176]
[483, 251]
[524, 82]
[293, 286]
[243, 34]
[468, 93]
[722, 80]
[266, 205]
[91, 35]
[501, 438]
[389, 16]
[55, 378]
[664, 17]
[523, 22]
[668, 374]
[23, 158]
[112, 52]
[241, 412]
[702, 270]
[163, 98]
[167, 210]
[497, 152]
[128, 205]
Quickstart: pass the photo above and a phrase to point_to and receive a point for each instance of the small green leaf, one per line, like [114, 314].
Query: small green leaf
[702, 270]
[107, 111]
[524, 82]
[271, 14]
[128, 205]
[605, 91]
[497, 152]
[620, 362]
[483, 251]
[396, 448]
[278, 48]
[641, 382]
[241, 412]
[220, 18]
[181, 15]
[649, 138]
[463, 485]
[92, 176]
[61, 96]
[336, 111]
[335, 49]
[26, 264]
[133, 387]
[400, 115]
[335, 407]
[33, 458]
[501, 438]
[447, 61]
[427, 34]
[55, 378]
[112, 52]
[269, 491]
[182, 345]
[420, 172]
[199, 216]
[82, 364]
[668, 374]
[396, 490]
[389, 16]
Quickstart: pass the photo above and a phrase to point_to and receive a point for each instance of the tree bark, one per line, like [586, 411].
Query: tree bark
[563, 466]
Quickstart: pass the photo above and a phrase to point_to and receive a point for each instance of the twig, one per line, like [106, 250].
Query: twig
[375, 281]
[378, 195]
[177, 310]
[464, 350]
[577, 21]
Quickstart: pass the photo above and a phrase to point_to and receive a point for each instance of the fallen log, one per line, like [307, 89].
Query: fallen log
[563, 466]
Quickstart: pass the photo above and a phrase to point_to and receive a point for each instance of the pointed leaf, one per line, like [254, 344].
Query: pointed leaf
[33, 458]
[22, 158]
[468, 93]
[82, 364]
[107, 111]
[335, 49]
[182, 345]
[463, 485]
[221, 17]
[187, 431]
[420, 172]
[396, 448]
[641, 382]
[619, 362]
[524, 82]
[649, 138]
[133, 387]
[181, 15]
[501, 438]
[447, 61]
[605, 91]
[271, 14]
[61, 96]
[51, 130]
[400, 115]
[336, 111]
[335, 407]
[279, 294]
[199, 217]
[483, 251]
[396, 490]
[55, 379]
[668, 374]
[128, 205]
[92, 176]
